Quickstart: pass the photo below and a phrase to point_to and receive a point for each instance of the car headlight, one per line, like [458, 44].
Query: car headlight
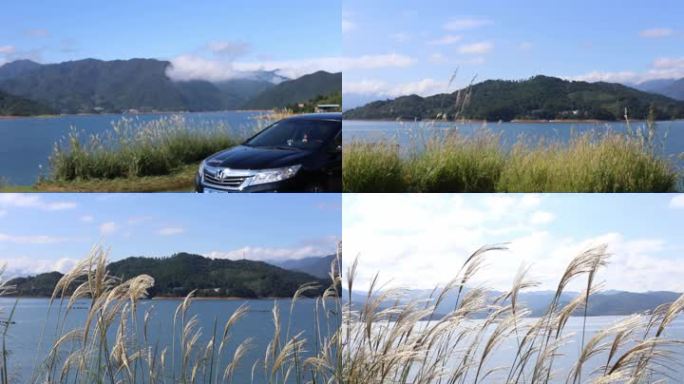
[274, 175]
[201, 168]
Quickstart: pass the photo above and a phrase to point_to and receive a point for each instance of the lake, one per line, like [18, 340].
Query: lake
[31, 316]
[669, 134]
[26, 143]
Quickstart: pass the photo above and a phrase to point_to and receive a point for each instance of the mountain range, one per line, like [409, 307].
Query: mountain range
[314, 266]
[673, 88]
[607, 303]
[179, 274]
[537, 98]
[91, 86]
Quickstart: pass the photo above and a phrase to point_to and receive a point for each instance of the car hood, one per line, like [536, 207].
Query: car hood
[244, 157]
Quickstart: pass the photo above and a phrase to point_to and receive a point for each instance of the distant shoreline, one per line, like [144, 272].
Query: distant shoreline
[7, 117]
[514, 121]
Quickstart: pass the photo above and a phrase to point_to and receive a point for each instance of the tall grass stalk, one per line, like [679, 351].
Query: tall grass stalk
[391, 337]
[136, 148]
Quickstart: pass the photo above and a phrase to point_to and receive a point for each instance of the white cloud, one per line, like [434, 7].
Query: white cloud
[192, 67]
[228, 49]
[170, 231]
[446, 40]
[379, 88]
[476, 48]
[661, 68]
[347, 25]
[7, 49]
[26, 265]
[668, 63]
[677, 201]
[461, 24]
[275, 253]
[21, 200]
[108, 228]
[656, 32]
[87, 219]
[541, 217]
[30, 239]
[443, 230]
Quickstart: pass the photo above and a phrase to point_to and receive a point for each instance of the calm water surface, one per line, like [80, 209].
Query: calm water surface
[26, 143]
[32, 318]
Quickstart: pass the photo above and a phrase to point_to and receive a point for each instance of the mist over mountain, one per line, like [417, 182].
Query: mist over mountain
[97, 86]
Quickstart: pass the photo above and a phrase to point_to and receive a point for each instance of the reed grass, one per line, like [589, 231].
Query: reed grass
[393, 338]
[609, 162]
[112, 344]
[135, 148]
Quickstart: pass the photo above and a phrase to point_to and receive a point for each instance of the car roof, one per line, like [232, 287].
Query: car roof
[318, 116]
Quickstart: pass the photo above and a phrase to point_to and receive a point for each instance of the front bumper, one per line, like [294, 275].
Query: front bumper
[294, 184]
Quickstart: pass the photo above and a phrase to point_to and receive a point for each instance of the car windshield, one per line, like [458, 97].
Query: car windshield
[296, 134]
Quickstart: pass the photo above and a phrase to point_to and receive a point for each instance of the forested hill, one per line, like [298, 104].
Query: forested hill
[538, 98]
[97, 86]
[303, 89]
[183, 272]
[19, 106]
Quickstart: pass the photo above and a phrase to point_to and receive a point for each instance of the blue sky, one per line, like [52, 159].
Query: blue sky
[45, 232]
[414, 47]
[238, 34]
[643, 232]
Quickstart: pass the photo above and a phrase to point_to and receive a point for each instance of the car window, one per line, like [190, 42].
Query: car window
[296, 134]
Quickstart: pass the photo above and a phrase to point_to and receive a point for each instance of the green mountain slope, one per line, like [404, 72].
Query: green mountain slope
[183, 272]
[17, 68]
[91, 85]
[299, 90]
[540, 97]
[19, 106]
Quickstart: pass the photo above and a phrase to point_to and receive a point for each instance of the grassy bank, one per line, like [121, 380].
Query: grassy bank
[487, 337]
[610, 162]
[181, 179]
[137, 156]
[112, 343]
[136, 149]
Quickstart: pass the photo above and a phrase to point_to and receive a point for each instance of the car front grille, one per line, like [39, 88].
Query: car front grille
[233, 182]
